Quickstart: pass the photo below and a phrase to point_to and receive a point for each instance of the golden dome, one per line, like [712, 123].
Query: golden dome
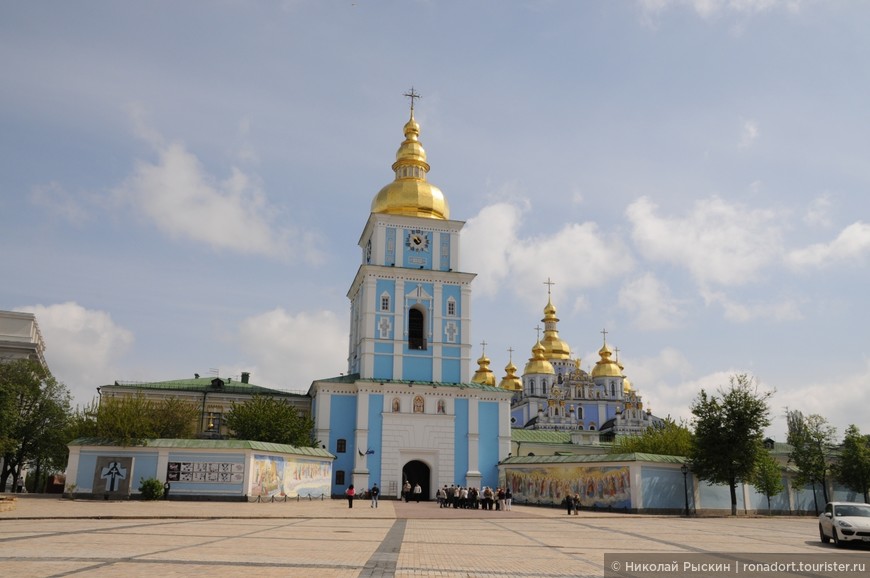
[554, 347]
[537, 363]
[626, 385]
[410, 194]
[484, 374]
[606, 367]
[510, 380]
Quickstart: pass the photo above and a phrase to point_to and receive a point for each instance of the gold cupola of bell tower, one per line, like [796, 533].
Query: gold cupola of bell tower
[410, 194]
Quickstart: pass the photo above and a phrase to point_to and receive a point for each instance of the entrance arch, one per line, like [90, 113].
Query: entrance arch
[417, 472]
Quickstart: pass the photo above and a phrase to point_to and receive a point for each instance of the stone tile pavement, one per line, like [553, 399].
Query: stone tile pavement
[53, 537]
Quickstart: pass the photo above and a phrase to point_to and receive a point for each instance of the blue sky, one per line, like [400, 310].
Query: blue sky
[182, 185]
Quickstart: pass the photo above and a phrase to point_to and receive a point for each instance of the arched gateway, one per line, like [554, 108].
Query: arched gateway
[417, 472]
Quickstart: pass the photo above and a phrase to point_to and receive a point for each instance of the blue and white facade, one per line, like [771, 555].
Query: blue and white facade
[407, 410]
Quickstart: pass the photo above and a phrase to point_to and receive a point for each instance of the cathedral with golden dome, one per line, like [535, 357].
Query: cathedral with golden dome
[554, 392]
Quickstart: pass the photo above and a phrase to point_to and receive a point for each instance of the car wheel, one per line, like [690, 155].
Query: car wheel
[822, 536]
[837, 541]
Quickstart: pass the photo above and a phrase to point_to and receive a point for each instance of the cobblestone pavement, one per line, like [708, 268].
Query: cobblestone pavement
[52, 537]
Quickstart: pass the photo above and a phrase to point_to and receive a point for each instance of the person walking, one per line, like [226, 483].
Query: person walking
[406, 492]
[350, 494]
[375, 492]
[508, 498]
[417, 491]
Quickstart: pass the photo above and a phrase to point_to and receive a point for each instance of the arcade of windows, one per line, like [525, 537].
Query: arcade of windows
[419, 405]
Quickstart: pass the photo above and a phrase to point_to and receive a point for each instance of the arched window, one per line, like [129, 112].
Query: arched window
[416, 329]
[612, 389]
[531, 387]
[543, 387]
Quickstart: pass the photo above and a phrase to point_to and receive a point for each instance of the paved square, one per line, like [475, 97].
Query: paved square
[50, 537]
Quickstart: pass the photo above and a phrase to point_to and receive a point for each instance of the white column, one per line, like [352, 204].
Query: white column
[504, 428]
[465, 336]
[399, 327]
[162, 463]
[72, 465]
[473, 476]
[361, 438]
[321, 419]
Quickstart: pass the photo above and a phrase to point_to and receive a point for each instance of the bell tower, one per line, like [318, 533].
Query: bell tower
[410, 314]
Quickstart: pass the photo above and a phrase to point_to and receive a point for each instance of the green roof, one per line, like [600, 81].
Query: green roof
[354, 378]
[597, 458]
[540, 436]
[198, 444]
[203, 384]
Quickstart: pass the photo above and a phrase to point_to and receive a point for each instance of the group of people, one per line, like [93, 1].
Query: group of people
[572, 504]
[474, 499]
[373, 493]
[407, 492]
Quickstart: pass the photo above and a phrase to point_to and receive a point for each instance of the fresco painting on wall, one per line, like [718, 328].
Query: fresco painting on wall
[599, 487]
[275, 476]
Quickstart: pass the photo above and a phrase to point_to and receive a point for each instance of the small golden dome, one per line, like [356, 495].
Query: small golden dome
[484, 374]
[410, 194]
[537, 363]
[606, 367]
[510, 380]
[626, 385]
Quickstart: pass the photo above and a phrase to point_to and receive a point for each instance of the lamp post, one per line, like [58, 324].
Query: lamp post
[685, 469]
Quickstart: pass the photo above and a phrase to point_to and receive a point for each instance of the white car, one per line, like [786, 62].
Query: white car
[845, 522]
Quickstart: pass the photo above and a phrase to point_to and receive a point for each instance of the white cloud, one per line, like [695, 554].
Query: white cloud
[57, 200]
[718, 242]
[851, 245]
[185, 201]
[662, 381]
[82, 346]
[749, 134]
[819, 212]
[575, 256]
[651, 303]
[810, 396]
[780, 310]
[290, 351]
[710, 8]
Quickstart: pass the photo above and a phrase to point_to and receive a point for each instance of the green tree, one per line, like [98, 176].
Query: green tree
[34, 410]
[728, 433]
[852, 467]
[129, 420]
[268, 419]
[812, 438]
[767, 478]
[666, 439]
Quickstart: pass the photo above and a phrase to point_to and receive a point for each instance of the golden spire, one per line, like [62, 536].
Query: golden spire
[554, 347]
[484, 374]
[410, 194]
[510, 380]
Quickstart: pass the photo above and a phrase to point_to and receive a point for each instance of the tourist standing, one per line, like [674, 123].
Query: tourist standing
[350, 494]
[406, 492]
[417, 491]
[508, 498]
[375, 493]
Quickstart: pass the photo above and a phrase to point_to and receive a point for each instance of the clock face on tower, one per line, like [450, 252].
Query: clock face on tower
[417, 241]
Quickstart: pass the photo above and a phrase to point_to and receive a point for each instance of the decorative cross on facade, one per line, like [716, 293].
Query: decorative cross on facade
[113, 473]
[451, 330]
[412, 95]
[385, 327]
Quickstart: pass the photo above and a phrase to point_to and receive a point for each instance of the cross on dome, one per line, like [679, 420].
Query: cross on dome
[412, 95]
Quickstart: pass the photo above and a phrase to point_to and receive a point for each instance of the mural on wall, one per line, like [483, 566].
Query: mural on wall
[112, 475]
[276, 476]
[206, 472]
[599, 487]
